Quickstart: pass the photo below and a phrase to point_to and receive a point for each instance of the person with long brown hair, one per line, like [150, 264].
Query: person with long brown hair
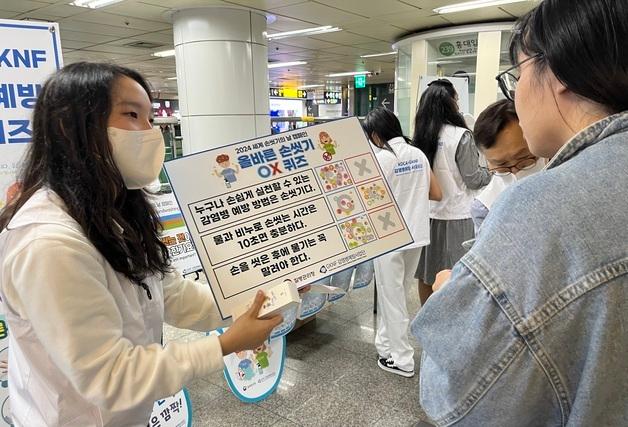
[85, 281]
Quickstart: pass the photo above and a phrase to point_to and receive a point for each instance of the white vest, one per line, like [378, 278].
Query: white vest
[407, 172]
[457, 198]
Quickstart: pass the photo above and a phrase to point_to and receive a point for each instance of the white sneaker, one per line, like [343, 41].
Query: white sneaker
[388, 365]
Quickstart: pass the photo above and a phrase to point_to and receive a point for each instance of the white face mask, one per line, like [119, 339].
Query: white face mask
[138, 154]
[539, 165]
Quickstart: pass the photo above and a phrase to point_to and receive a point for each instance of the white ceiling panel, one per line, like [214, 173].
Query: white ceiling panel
[369, 26]
[344, 37]
[21, 6]
[71, 45]
[350, 51]
[274, 47]
[8, 14]
[265, 4]
[307, 43]
[379, 47]
[376, 29]
[177, 4]
[158, 38]
[319, 13]
[486, 14]
[107, 30]
[84, 37]
[283, 23]
[412, 21]
[98, 17]
[519, 9]
[136, 9]
[63, 10]
[370, 9]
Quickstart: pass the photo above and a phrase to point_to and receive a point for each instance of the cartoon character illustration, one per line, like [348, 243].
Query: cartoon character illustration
[262, 353]
[245, 367]
[228, 173]
[345, 204]
[327, 144]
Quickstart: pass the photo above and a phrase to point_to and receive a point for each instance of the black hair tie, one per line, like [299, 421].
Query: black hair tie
[147, 289]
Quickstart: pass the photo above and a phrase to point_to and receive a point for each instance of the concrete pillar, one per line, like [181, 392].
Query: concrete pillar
[489, 45]
[222, 75]
[418, 68]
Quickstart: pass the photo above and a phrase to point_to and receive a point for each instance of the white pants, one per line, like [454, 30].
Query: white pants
[393, 272]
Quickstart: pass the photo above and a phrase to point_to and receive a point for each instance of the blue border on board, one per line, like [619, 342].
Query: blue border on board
[188, 402]
[266, 395]
[40, 27]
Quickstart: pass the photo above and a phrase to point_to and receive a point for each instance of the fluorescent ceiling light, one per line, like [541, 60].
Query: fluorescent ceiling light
[285, 64]
[94, 4]
[171, 78]
[373, 55]
[304, 32]
[350, 73]
[469, 5]
[164, 53]
[448, 61]
[309, 86]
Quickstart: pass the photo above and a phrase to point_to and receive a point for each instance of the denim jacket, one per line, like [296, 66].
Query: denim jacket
[532, 329]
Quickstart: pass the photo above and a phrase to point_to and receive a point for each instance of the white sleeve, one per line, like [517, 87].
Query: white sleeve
[60, 287]
[189, 304]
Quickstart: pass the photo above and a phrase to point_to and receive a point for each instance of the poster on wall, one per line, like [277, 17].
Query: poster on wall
[30, 52]
[301, 205]
[175, 234]
[461, 84]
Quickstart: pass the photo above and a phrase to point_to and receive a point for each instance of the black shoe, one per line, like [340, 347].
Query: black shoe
[388, 365]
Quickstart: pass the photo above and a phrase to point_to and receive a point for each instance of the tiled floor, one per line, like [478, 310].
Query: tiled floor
[331, 377]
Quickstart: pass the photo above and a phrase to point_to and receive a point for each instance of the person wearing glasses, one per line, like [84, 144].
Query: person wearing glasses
[530, 327]
[500, 139]
[441, 133]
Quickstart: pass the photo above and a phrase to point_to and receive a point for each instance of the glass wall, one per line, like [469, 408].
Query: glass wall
[449, 52]
[403, 87]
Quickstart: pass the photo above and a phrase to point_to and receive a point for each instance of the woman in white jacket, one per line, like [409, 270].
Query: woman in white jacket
[85, 281]
[441, 133]
[412, 183]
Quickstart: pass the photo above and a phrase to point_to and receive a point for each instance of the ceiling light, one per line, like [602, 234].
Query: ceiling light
[164, 53]
[285, 64]
[349, 73]
[304, 32]
[452, 61]
[309, 86]
[171, 78]
[94, 4]
[469, 5]
[394, 52]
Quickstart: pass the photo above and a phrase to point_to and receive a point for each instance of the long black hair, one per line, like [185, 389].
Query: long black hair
[71, 155]
[583, 43]
[437, 108]
[383, 123]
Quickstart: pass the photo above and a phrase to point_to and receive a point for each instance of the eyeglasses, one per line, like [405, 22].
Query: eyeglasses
[521, 165]
[508, 79]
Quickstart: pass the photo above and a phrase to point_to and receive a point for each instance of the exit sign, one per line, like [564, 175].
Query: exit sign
[360, 81]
